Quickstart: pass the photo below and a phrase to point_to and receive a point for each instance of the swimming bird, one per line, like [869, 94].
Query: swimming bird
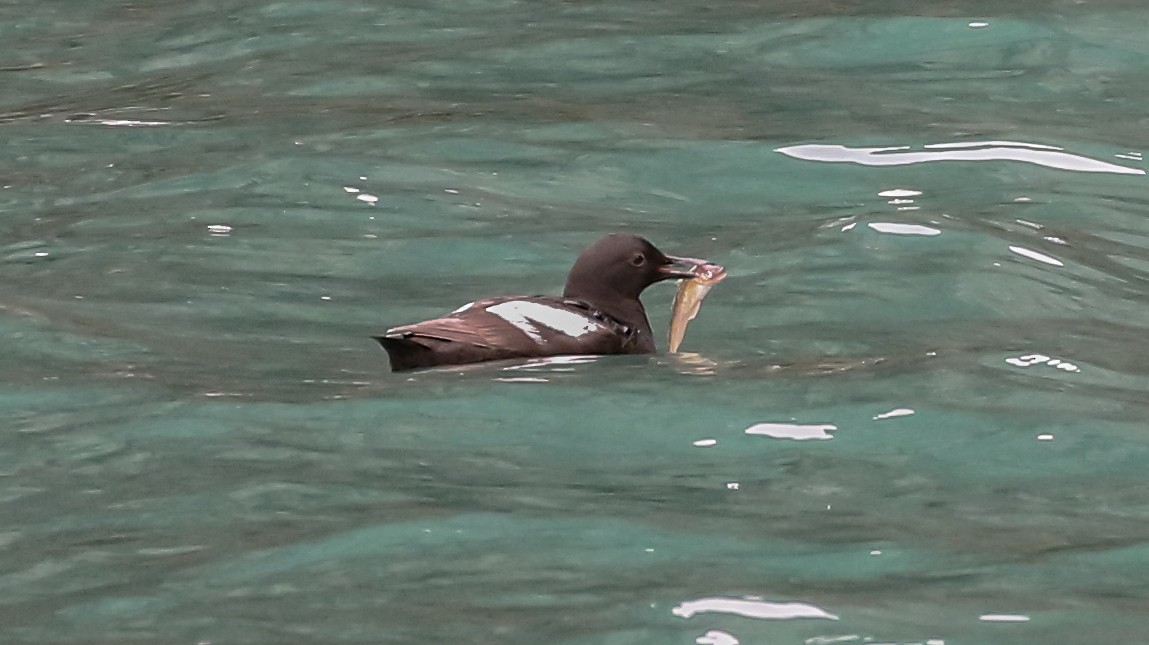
[599, 312]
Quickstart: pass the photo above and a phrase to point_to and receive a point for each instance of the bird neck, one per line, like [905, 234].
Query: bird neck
[628, 311]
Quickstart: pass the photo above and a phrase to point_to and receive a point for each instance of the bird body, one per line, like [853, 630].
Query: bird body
[598, 313]
[510, 327]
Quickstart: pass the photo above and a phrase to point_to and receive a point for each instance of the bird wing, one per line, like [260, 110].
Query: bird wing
[469, 324]
[454, 329]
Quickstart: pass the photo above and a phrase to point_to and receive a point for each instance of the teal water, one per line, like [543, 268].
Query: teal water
[936, 224]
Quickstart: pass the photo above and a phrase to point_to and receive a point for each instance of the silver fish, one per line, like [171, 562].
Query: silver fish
[688, 300]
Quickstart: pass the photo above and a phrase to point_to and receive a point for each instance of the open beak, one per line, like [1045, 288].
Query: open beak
[687, 268]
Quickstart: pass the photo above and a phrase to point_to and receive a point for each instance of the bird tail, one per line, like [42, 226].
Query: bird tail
[405, 352]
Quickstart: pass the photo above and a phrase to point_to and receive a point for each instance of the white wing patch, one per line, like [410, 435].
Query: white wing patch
[525, 315]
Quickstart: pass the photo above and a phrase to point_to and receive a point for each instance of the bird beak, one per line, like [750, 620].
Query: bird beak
[687, 268]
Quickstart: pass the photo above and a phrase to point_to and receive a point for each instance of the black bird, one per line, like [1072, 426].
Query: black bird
[598, 313]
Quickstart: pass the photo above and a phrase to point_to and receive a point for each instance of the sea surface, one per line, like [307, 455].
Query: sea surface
[916, 412]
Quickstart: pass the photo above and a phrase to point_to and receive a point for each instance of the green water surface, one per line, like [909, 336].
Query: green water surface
[935, 218]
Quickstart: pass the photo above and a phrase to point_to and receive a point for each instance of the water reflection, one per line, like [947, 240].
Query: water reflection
[895, 228]
[1003, 618]
[793, 431]
[1041, 155]
[899, 193]
[1035, 255]
[1041, 359]
[899, 412]
[127, 123]
[850, 638]
[716, 637]
[693, 363]
[553, 363]
[751, 608]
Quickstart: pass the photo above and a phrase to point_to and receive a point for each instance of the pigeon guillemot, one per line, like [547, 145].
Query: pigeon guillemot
[598, 313]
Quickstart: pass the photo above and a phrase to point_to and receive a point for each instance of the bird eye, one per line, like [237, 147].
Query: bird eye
[638, 260]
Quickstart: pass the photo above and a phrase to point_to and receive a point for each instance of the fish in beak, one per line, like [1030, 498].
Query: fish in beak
[698, 277]
[676, 268]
